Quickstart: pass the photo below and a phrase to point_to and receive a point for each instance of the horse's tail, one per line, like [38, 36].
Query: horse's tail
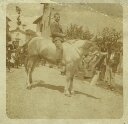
[26, 63]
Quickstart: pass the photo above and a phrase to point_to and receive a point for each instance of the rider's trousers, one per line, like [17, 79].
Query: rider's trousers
[59, 49]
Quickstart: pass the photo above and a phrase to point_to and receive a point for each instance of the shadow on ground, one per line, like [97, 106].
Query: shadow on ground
[59, 88]
[118, 89]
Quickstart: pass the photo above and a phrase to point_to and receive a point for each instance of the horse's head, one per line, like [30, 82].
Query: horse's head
[87, 46]
[92, 47]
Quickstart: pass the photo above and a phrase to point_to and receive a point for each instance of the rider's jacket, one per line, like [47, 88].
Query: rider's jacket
[56, 31]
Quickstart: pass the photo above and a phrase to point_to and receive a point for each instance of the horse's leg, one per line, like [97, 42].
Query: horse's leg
[71, 85]
[26, 64]
[36, 61]
[63, 71]
[32, 62]
[29, 67]
[69, 69]
[71, 80]
[67, 93]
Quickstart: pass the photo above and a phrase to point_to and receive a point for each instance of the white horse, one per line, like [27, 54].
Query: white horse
[73, 51]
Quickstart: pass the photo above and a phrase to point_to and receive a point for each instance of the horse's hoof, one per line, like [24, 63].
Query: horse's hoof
[68, 95]
[29, 87]
[73, 93]
[32, 85]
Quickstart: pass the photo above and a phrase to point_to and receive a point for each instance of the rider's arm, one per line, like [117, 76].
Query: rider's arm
[55, 33]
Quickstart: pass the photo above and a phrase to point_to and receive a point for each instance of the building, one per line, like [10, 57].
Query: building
[39, 25]
[43, 22]
[19, 36]
[7, 24]
[30, 34]
[8, 38]
[22, 36]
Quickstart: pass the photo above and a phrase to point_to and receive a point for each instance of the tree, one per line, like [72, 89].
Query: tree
[18, 10]
[75, 32]
[110, 38]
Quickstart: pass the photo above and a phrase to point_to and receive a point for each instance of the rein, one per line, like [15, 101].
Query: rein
[75, 48]
[92, 58]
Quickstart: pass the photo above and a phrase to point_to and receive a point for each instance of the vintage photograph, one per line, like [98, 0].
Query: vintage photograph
[64, 61]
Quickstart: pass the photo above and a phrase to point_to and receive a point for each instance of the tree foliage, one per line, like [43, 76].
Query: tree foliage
[110, 39]
[77, 32]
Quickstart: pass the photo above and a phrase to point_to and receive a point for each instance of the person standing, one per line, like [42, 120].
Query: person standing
[102, 66]
[9, 55]
[111, 69]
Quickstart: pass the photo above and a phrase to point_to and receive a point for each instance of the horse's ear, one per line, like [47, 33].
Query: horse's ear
[94, 38]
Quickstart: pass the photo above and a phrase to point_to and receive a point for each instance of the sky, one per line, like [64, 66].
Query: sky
[115, 10]
[81, 13]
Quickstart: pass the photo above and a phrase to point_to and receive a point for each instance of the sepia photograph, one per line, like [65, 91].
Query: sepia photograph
[64, 61]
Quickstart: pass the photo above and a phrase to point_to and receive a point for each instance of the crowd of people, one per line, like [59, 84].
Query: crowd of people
[106, 68]
[15, 55]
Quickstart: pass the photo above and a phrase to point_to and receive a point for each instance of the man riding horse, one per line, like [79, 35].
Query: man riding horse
[42, 48]
[58, 37]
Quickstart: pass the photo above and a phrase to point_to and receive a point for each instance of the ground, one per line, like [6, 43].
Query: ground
[47, 101]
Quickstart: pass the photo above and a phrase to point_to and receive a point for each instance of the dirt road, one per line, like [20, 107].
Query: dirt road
[47, 101]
